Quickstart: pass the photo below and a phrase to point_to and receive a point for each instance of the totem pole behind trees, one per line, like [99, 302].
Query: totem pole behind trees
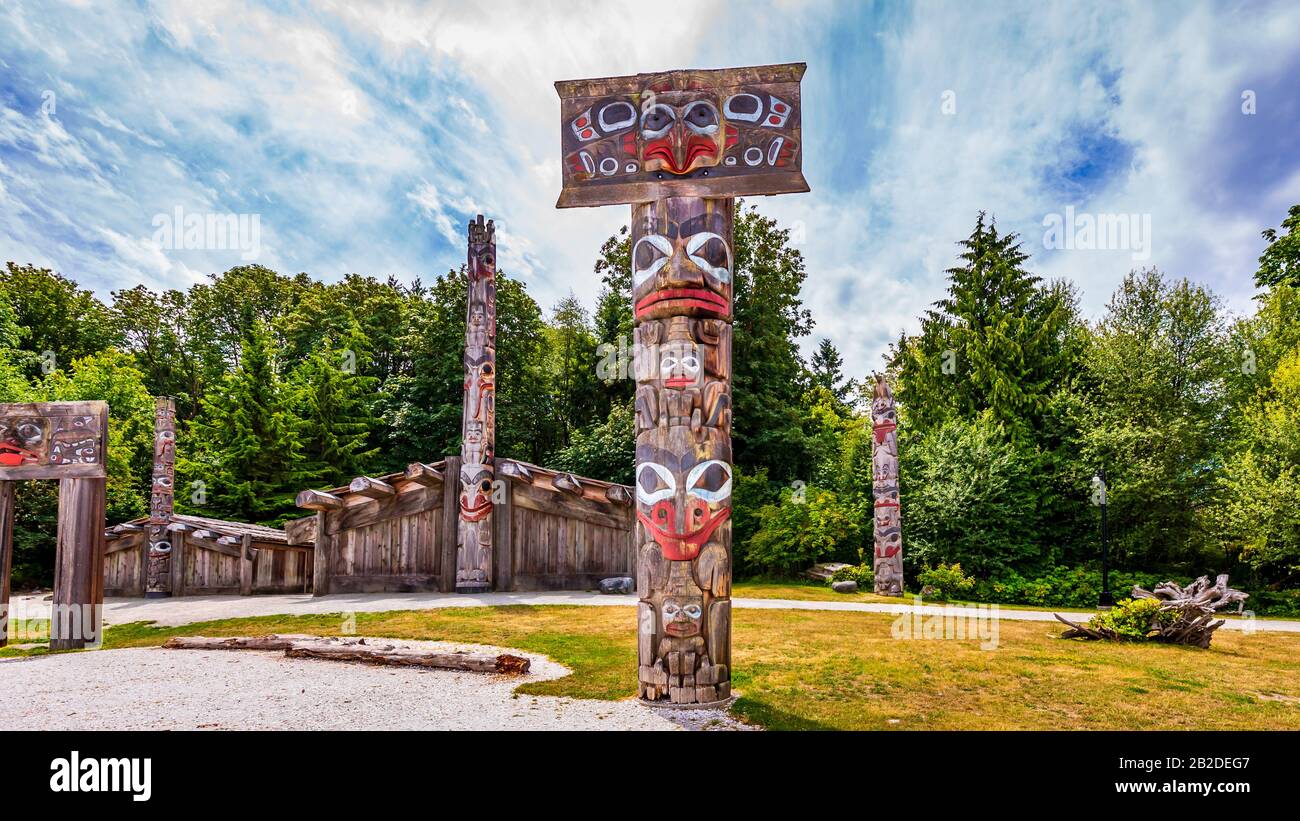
[679, 147]
[161, 499]
[67, 441]
[478, 420]
[888, 563]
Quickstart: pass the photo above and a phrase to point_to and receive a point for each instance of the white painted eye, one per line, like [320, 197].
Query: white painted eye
[654, 482]
[693, 611]
[667, 364]
[691, 364]
[710, 485]
[774, 149]
[671, 609]
[651, 253]
[609, 166]
[657, 120]
[744, 107]
[701, 118]
[616, 115]
[711, 253]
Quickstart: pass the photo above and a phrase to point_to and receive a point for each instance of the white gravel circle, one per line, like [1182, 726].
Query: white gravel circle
[157, 689]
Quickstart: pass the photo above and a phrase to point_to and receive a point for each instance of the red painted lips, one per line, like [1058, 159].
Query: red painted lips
[681, 298]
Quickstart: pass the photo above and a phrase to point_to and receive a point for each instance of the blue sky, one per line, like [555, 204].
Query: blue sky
[365, 136]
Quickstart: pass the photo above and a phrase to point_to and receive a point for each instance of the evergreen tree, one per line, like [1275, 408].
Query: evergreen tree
[248, 454]
[572, 366]
[827, 370]
[331, 398]
[1280, 262]
[996, 342]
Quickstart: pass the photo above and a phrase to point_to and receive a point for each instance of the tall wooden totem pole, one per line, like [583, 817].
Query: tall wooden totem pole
[679, 147]
[478, 419]
[158, 582]
[884, 488]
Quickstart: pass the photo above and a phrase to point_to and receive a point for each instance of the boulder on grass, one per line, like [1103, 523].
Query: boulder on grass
[618, 584]
[846, 586]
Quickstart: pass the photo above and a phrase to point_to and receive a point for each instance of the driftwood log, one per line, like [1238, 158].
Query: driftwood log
[335, 649]
[1186, 614]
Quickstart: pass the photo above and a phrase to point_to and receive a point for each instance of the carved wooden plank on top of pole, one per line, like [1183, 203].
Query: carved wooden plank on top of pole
[158, 582]
[680, 146]
[478, 421]
[888, 530]
[67, 441]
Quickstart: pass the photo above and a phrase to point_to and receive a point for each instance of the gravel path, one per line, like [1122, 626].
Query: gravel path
[189, 609]
[156, 689]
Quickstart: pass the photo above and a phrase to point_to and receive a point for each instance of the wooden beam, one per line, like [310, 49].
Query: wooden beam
[422, 474]
[568, 483]
[503, 569]
[318, 500]
[619, 495]
[208, 535]
[127, 527]
[516, 471]
[371, 488]
[78, 565]
[6, 554]
[450, 524]
[110, 535]
[179, 527]
[322, 556]
[301, 531]
[180, 545]
[230, 540]
[246, 565]
[334, 649]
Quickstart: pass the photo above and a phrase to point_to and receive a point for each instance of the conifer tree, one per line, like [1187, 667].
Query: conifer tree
[331, 399]
[249, 449]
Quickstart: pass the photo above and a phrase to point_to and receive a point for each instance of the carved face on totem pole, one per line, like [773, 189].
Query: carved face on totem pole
[682, 615]
[681, 258]
[681, 499]
[35, 440]
[730, 132]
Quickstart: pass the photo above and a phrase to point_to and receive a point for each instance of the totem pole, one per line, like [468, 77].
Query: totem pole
[478, 420]
[680, 146]
[159, 579]
[884, 488]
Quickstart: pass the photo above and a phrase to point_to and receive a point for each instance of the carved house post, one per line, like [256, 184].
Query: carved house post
[888, 561]
[158, 582]
[478, 420]
[680, 146]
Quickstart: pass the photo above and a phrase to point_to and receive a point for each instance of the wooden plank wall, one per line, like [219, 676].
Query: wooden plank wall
[561, 542]
[124, 566]
[387, 545]
[282, 569]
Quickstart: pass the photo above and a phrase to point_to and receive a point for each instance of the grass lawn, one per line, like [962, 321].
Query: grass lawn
[836, 670]
[820, 591]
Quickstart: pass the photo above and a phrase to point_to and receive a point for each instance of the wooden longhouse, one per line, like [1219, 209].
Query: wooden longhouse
[398, 533]
[208, 557]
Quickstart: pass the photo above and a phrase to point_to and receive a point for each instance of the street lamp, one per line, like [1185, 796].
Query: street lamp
[1099, 499]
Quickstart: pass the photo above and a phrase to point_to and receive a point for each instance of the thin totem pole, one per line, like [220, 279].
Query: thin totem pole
[161, 500]
[679, 147]
[888, 562]
[478, 420]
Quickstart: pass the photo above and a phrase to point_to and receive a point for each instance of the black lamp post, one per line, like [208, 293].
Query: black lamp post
[1099, 498]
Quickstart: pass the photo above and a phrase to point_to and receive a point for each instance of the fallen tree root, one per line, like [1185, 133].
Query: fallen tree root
[334, 649]
[1185, 615]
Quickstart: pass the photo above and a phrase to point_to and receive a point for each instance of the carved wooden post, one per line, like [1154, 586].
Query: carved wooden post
[478, 420]
[65, 441]
[680, 146]
[888, 561]
[161, 500]
[6, 554]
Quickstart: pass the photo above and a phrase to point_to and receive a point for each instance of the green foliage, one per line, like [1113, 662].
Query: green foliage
[1134, 619]
[606, 451]
[330, 399]
[1280, 262]
[860, 573]
[826, 369]
[970, 496]
[1059, 586]
[1155, 369]
[946, 581]
[808, 525]
[55, 315]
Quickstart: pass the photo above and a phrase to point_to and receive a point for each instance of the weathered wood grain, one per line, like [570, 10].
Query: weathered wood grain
[6, 554]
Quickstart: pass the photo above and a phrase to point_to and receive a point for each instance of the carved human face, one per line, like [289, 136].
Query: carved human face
[681, 501]
[681, 258]
[75, 441]
[682, 615]
[679, 364]
[20, 440]
[680, 131]
[475, 492]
